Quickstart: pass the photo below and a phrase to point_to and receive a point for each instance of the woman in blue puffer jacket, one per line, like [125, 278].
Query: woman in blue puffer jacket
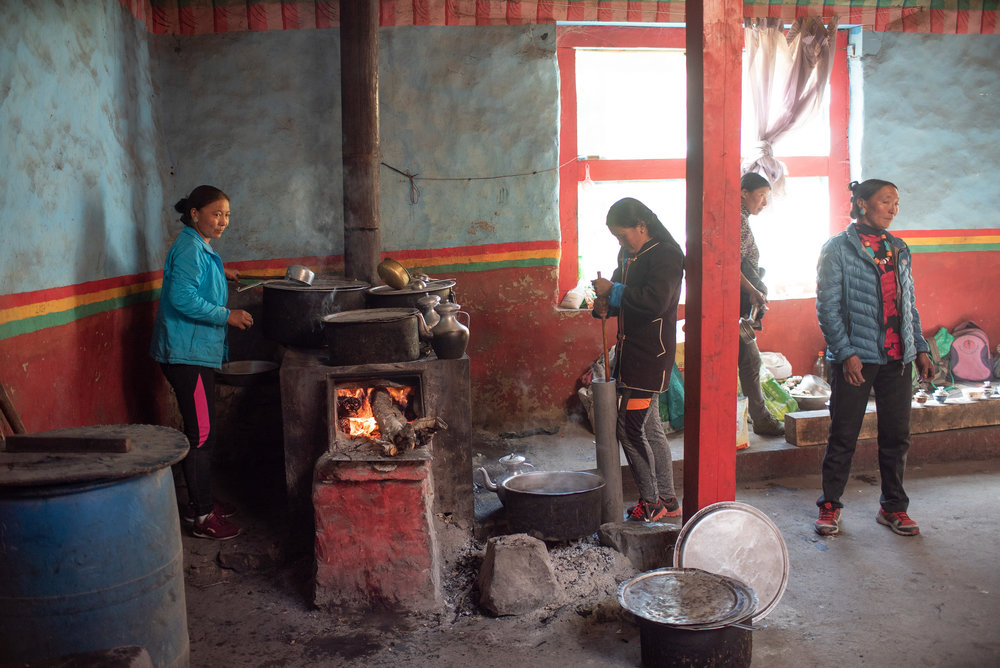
[866, 308]
[189, 342]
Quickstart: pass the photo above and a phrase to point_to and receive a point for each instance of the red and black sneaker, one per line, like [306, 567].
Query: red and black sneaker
[828, 523]
[900, 523]
[637, 513]
[673, 506]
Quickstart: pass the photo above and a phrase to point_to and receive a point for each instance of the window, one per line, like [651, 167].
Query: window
[624, 114]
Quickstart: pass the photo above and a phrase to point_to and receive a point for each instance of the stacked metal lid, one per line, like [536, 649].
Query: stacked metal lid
[687, 598]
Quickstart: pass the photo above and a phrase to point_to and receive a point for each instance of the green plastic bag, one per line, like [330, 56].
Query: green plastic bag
[776, 398]
[672, 401]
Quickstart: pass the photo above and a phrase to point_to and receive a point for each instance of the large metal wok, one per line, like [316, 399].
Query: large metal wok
[551, 505]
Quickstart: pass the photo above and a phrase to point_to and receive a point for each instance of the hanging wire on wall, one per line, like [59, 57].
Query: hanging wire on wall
[415, 190]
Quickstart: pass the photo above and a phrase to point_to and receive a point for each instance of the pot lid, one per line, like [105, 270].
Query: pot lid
[319, 284]
[689, 598]
[371, 315]
[739, 541]
[414, 288]
[151, 448]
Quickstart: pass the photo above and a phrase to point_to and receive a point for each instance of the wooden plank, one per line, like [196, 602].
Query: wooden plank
[43, 443]
[9, 411]
[812, 427]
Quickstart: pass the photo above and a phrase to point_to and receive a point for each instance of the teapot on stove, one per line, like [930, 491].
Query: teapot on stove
[448, 337]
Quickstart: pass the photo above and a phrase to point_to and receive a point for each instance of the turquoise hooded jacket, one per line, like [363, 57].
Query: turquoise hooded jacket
[190, 326]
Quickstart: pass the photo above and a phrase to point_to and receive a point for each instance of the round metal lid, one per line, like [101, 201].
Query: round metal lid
[414, 288]
[371, 315]
[320, 283]
[687, 597]
[152, 448]
[738, 541]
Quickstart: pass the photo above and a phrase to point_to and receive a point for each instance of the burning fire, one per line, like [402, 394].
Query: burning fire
[356, 418]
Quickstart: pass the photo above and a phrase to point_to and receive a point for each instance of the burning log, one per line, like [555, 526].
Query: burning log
[398, 435]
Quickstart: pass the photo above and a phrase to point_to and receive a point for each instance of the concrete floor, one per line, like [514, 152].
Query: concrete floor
[865, 598]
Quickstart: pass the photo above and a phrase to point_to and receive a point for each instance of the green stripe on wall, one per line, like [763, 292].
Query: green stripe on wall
[31, 325]
[486, 266]
[953, 248]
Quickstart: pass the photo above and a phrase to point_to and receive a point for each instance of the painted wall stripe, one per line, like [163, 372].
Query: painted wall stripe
[196, 17]
[24, 313]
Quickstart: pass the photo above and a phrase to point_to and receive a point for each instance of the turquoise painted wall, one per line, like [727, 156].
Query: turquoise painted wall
[926, 116]
[258, 115]
[80, 179]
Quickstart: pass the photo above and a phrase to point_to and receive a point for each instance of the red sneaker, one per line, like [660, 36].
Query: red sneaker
[828, 523]
[215, 527]
[655, 512]
[673, 506]
[221, 508]
[899, 523]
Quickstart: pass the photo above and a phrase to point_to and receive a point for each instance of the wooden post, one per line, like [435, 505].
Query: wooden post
[714, 42]
[361, 152]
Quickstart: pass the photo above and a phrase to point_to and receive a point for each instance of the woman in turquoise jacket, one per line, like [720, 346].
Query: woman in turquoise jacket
[867, 310]
[189, 342]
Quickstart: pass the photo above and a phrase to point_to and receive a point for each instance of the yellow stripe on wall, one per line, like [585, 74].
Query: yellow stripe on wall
[76, 301]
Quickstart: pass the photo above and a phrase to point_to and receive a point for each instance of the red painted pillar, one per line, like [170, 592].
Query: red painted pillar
[714, 42]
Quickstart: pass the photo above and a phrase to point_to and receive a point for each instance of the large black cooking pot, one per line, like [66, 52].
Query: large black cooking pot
[384, 296]
[372, 336]
[293, 312]
[551, 505]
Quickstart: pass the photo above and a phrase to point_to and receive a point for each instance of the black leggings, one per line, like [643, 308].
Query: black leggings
[194, 387]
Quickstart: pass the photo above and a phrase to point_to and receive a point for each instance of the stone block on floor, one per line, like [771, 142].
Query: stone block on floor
[517, 576]
[647, 546]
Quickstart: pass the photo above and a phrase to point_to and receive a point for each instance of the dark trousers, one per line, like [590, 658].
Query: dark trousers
[194, 387]
[749, 372]
[892, 383]
[640, 433]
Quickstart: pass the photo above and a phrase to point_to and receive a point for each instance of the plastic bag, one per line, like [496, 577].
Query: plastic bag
[672, 401]
[776, 398]
[742, 428]
[777, 364]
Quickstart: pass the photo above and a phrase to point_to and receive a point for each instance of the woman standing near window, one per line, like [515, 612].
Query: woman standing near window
[867, 311]
[643, 293]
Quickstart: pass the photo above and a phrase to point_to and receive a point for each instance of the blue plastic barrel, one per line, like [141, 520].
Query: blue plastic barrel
[91, 554]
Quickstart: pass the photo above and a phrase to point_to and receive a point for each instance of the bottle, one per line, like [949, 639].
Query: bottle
[821, 367]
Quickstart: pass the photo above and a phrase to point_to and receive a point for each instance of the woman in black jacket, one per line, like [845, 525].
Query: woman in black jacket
[643, 293]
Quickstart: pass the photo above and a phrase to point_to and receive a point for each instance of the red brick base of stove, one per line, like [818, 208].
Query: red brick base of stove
[375, 543]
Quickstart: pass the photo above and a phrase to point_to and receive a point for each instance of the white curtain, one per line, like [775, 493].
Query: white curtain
[788, 75]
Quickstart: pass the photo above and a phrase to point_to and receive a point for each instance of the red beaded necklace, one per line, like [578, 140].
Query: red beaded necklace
[884, 262]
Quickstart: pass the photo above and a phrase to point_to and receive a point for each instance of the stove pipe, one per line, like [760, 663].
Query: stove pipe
[360, 138]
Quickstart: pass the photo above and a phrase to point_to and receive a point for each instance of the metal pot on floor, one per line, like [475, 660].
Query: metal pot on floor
[551, 505]
[690, 617]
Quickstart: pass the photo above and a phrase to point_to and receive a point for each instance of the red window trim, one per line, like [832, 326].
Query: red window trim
[836, 167]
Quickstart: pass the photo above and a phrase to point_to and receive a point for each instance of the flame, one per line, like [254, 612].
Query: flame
[364, 426]
[362, 423]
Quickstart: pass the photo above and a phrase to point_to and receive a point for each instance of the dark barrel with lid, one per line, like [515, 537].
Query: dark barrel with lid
[92, 555]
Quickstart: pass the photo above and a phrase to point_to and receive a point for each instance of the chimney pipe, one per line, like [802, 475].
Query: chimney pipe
[361, 152]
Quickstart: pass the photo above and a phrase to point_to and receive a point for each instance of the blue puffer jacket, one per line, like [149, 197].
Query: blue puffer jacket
[849, 300]
[190, 325]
